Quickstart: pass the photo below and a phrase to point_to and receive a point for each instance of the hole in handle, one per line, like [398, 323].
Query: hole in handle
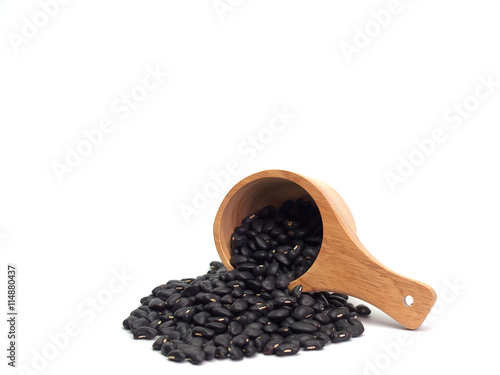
[408, 300]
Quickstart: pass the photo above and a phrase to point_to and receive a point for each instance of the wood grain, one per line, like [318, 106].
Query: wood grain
[343, 265]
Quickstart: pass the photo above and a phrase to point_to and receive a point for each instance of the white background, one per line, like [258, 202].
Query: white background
[118, 210]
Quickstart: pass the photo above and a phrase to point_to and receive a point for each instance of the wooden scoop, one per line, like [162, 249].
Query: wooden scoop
[343, 264]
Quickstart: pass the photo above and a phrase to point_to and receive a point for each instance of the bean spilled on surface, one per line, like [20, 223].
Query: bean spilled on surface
[249, 310]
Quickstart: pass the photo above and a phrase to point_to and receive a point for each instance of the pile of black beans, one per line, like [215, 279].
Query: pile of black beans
[249, 310]
[288, 240]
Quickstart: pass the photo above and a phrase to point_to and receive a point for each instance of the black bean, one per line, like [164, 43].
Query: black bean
[241, 229]
[261, 242]
[190, 290]
[227, 299]
[268, 226]
[296, 292]
[220, 291]
[181, 302]
[302, 312]
[210, 351]
[334, 297]
[157, 344]
[282, 259]
[355, 327]
[130, 319]
[322, 336]
[249, 350]
[167, 347]
[318, 306]
[238, 305]
[223, 339]
[306, 300]
[353, 315]
[313, 344]
[278, 314]
[157, 304]
[164, 331]
[152, 316]
[284, 331]
[288, 321]
[252, 332]
[237, 259]
[144, 333]
[187, 335]
[245, 251]
[303, 327]
[216, 265]
[236, 284]
[201, 318]
[269, 283]
[338, 313]
[257, 225]
[221, 352]
[321, 317]
[294, 253]
[218, 319]
[340, 336]
[253, 285]
[157, 289]
[217, 327]
[313, 322]
[239, 240]
[270, 327]
[172, 300]
[251, 233]
[286, 348]
[328, 329]
[342, 323]
[237, 292]
[285, 300]
[240, 340]
[164, 294]
[270, 346]
[261, 341]
[363, 310]
[195, 356]
[142, 322]
[235, 328]
[185, 314]
[182, 327]
[235, 353]
[314, 240]
[204, 332]
[172, 335]
[311, 251]
[222, 312]
[176, 356]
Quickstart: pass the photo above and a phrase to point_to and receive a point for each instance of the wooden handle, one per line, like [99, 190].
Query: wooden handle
[368, 279]
[406, 300]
